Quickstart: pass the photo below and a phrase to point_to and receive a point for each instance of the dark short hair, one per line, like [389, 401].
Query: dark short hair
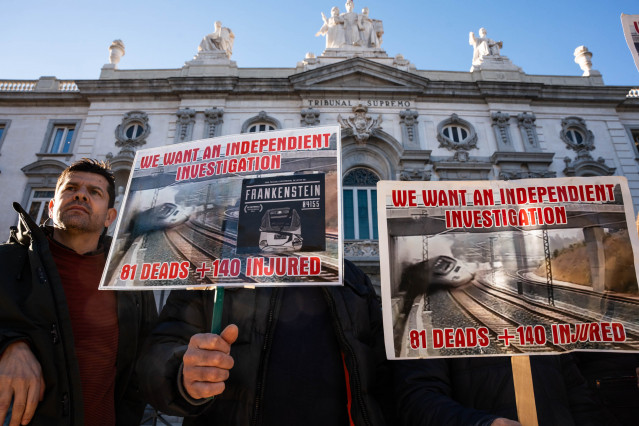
[90, 165]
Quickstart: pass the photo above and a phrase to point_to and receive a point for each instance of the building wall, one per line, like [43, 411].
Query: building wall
[99, 106]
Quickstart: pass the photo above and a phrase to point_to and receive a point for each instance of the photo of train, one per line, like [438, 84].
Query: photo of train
[447, 271]
[281, 230]
[438, 272]
[163, 216]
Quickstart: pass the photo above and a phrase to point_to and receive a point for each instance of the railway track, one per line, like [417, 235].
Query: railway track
[196, 254]
[194, 241]
[496, 322]
[630, 300]
[499, 309]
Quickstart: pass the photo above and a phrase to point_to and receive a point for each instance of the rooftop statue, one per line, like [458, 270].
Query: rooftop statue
[220, 40]
[350, 29]
[368, 33]
[333, 29]
[483, 46]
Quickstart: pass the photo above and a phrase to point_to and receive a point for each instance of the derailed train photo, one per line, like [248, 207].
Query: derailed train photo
[447, 271]
[163, 216]
[441, 271]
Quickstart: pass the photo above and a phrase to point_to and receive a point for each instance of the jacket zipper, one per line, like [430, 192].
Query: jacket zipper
[266, 349]
[350, 354]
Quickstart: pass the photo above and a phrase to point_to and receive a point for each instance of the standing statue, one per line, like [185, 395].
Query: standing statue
[333, 29]
[220, 40]
[483, 46]
[368, 33]
[351, 25]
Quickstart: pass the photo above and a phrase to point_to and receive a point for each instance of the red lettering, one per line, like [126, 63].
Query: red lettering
[438, 338]
[483, 339]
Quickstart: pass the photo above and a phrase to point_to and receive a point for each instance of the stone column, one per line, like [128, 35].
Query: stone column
[596, 257]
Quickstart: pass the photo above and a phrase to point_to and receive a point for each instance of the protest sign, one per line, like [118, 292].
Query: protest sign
[508, 267]
[630, 25]
[256, 209]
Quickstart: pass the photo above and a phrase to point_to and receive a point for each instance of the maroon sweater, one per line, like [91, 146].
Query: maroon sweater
[94, 322]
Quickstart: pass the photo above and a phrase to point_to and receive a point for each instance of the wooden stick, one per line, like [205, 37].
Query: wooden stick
[524, 392]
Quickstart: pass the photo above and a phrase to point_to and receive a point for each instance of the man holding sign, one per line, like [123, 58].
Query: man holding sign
[67, 350]
[287, 355]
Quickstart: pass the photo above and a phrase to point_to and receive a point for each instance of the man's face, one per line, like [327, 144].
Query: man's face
[81, 204]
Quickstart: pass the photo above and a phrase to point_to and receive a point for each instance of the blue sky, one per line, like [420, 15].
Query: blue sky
[69, 39]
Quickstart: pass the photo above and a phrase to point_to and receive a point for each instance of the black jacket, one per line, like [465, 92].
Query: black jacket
[476, 391]
[356, 320]
[33, 308]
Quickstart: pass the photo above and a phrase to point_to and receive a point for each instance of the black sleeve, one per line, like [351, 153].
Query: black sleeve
[15, 289]
[424, 396]
[184, 315]
[383, 384]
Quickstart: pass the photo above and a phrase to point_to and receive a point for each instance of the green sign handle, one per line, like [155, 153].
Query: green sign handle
[216, 321]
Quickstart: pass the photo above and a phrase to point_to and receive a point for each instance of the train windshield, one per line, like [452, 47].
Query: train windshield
[279, 220]
[166, 209]
[443, 265]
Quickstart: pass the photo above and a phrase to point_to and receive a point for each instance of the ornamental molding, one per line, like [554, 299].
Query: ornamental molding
[408, 121]
[461, 147]
[587, 166]
[184, 125]
[213, 119]
[514, 175]
[579, 124]
[501, 125]
[128, 145]
[310, 117]
[526, 123]
[360, 123]
[361, 249]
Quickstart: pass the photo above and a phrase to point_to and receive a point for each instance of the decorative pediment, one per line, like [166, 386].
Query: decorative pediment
[360, 80]
[44, 172]
[44, 168]
[356, 75]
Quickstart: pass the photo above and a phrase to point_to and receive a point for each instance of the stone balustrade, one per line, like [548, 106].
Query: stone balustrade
[67, 86]
[17, 85]
[44, 84]
[633, 93]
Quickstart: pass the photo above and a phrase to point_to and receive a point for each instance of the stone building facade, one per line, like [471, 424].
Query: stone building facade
[398, 122]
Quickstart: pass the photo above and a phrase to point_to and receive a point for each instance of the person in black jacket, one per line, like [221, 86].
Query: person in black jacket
[67, 350]
[480, 391]
[287, 356]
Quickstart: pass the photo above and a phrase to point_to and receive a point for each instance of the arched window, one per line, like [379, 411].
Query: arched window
[455, 133]
[360, 204]
[260, 127]
[262, 122]
[134, 130]
[576, 135]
